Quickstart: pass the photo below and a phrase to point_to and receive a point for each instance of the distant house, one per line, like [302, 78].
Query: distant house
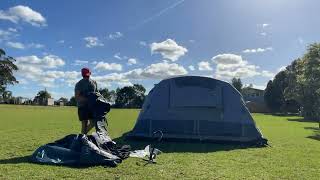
[49, 102]
[254, 99]
[44, 102]
[18, 100]
[28, 102]
[59, 103]
[253, 94]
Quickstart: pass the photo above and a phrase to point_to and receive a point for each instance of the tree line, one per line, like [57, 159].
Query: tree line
[7, 68]
[298, 86]
[125, 97]
[296, 89]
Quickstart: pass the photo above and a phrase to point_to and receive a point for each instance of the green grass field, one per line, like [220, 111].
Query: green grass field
[295, 151]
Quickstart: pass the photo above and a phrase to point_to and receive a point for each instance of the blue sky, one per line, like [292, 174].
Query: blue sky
[144, 41]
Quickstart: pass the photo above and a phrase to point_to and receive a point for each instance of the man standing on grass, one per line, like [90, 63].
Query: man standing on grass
[82, 89]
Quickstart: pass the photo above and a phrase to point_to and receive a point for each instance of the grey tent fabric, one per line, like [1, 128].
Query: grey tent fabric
[193, 107]
[80, 150]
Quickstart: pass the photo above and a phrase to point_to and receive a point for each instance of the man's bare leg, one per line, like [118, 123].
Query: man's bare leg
[84, 126]
[90, 125]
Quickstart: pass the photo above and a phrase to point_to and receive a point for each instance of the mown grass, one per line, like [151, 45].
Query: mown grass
[295, 151]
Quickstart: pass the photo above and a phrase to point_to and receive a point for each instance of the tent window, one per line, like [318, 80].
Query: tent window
[195, 82]
[195, 97]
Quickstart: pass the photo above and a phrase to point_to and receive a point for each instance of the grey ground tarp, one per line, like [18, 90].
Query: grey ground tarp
[80, 150]
[96, 149]
[201, 108]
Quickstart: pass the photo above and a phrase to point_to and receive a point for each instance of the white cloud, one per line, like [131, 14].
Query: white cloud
[36, 45]
[71, 77]
[154, 71]
[54, 78]
[12, 30]
[169, 49]
[6, 35]
[36, 69]
[102, 66]
[191, 67]
[92, 42]
[204, 66]
[228, 59]
[106, 80]
[115, 35]
[49, 61]
[61, 41]
[50, 78]
[80, 62]
[24, 14]
[258, 50]
[117, 56]
[268, 74]
[263, 34]
[264, 29]
[143, 43]
[132, 61]
[232, 65]
[19, 45]
[22, 81]
[262, 87]
[282, 68]
[158, 71]
[300, 40]
[16, 45]
[122, 84]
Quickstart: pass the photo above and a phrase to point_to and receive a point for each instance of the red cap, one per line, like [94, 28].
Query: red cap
[85, 72]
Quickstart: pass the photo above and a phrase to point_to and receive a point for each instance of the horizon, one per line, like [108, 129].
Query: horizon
[143, 42]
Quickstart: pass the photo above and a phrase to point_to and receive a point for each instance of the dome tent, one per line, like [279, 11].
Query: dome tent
[200, 108]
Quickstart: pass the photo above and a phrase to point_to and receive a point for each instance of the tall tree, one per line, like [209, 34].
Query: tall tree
[7, 95]
[268, 95]
[274, 92]
[305, 87]
[139, 95]
[64, 100]
[130, 96]
[109, 95]
[125, 97]
[236, 82]
[42, 96]
[72, 101]
[7, 68]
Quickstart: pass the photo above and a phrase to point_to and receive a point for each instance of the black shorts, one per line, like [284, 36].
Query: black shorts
[84, 113]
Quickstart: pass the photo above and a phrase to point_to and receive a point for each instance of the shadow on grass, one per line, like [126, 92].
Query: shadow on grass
[15, 160]
[179, 146]
[301, 119]
[316, 131]
[282, 114]
[26, 159]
